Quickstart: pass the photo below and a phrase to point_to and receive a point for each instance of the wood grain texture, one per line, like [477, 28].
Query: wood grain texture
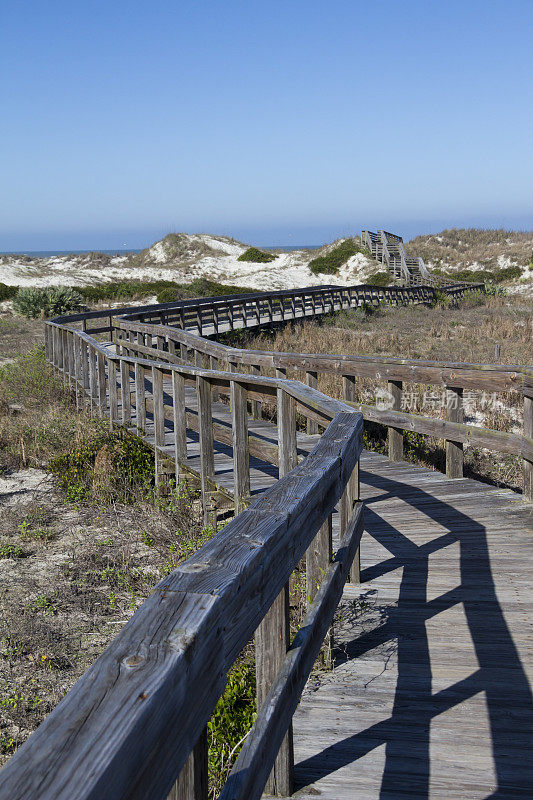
[254, 763]
[454, 449]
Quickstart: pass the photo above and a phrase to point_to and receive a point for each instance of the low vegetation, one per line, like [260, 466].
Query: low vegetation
[7, 292]
[332, 261]
[51, 301]
[258, 256]
[502, 275]
[462, 247]
[381, 278]
[81, 550]
[33, 303]
[478, 330]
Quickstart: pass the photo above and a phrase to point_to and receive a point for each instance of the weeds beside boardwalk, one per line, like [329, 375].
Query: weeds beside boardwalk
[79, 552]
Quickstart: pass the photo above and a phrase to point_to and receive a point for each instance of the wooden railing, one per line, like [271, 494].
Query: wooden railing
[135, 723]
[183, 346]
[240, 310]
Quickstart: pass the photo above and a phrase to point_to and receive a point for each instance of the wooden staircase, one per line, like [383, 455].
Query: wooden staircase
[388, 248]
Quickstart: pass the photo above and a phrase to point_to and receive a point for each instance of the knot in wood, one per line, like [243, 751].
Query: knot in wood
[133, 661]
[198, 566]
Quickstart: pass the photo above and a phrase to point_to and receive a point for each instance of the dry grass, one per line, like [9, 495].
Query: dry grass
[70, 573]
[468, 333]
[19, 335]
[465, 246]
[84, 571]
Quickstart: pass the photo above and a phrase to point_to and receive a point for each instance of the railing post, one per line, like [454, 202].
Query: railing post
[317, 559]
[257, 411]
[395, 435]
[287, 446]
[125, 395]
[348, 388]
[140, 398]
[205, 430]
[192, 783]
[180, 421]
[159, 425]
[213, 364]
[101, 378]
[454, 450]
[311, 379]
[85, 368]
[78, 385]
[241, 453]
[68, 351]
[272, 636]
[528, 431]
[354, 485]
[92, 374]
[112, 389]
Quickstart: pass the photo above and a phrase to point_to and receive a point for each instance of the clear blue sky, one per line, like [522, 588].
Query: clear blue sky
[277, 123]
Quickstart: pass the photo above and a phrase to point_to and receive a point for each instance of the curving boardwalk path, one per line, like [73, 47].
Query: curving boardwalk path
[430, 694]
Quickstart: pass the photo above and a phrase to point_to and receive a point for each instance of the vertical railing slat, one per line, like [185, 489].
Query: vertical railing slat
[241, 453]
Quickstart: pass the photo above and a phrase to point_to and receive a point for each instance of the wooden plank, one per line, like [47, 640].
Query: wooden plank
[288, 453]
[193, 783]
[140, 398]
[205, 422]
[241, 453]
[528, 462]
[125, 393]
[100, 384]
[272, 636]
[271, 645]
[159, 425]
[454, 449]
[112, 392]
[311, 379]
[395, 435]
[256, 404]
[179, 419]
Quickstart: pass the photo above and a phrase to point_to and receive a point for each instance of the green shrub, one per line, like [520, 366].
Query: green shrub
[108, 464]
[333, 261]
[486, 275]
[49, 302]
[507, 274]
[12, 551]
[232, 718]
[383, 278]
[170, 295]
[124, 290]
[441, 299]
[259, 256]
[7, 292]
[166, 291]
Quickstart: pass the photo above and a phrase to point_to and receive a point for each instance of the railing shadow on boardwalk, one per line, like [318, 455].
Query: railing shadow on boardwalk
[500, 676]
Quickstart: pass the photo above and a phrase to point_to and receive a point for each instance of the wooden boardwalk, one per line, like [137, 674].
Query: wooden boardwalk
[429, 696]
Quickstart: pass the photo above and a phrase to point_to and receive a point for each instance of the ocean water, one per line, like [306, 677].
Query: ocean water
[48, 253]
